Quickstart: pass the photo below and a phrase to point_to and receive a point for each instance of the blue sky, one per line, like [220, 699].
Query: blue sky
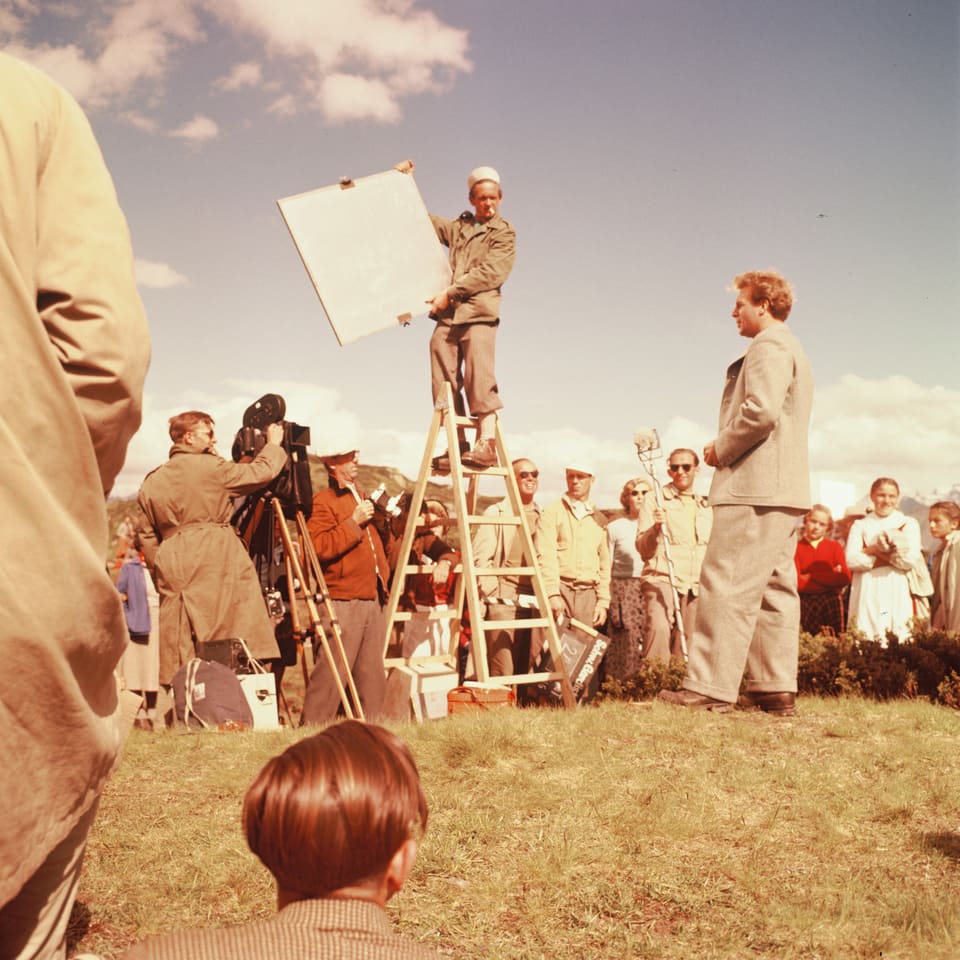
[649, 152]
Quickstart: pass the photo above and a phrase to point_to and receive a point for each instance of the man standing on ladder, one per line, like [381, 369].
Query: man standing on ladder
[685, 519]
[355, 569]
[467, 313]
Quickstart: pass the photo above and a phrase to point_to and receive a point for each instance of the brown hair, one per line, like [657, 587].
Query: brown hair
[183, 423]
[883, 481]
[333, 809]
[949, 509]
[693, 453]
[770, 286]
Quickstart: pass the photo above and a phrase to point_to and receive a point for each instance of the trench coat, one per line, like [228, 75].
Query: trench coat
[74, 350]
[207, 582]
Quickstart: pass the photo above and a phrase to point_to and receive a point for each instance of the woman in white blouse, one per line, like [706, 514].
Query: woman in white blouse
[881, 548]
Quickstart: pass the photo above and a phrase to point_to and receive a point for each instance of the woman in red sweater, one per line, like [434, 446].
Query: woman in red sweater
[822, 574]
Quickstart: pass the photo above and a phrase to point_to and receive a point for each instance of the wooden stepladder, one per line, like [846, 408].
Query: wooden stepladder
[465, 519]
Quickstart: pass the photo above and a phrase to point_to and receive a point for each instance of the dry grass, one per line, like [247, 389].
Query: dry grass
[622, 831]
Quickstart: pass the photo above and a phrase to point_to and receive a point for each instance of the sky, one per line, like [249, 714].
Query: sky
[649, 152]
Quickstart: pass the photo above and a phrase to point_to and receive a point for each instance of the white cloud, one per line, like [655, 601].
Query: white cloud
[344, 97]
[157, 276]
[197, 130]
[351, 59]
[67, 65]
[862, 429]
[242, 75]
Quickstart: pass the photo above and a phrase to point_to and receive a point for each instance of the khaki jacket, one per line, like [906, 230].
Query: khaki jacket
[574, 550]
[74, 350]
[481, 258]
[492, 545]
[208, 585]
[688, 543]
[764, 423]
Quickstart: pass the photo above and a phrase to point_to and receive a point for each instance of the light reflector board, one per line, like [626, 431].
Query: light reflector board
[370, 250]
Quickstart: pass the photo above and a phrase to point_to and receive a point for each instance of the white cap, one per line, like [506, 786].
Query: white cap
[482, 173]
[580, 466]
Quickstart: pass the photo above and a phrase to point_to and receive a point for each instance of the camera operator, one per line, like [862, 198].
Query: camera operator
[208, 586]
[355, 569]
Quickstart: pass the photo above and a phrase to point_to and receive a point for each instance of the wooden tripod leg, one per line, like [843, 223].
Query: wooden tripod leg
[314, 565]
[314, 613]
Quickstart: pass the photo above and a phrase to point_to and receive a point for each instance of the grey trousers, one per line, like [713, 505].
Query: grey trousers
[749, 610]
[363, 628]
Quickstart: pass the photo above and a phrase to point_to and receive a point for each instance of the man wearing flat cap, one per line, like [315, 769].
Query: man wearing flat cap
[355, 569]
[575, 551]
[467, 313]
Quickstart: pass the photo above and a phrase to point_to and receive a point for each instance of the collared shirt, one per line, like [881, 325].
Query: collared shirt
[689, 524]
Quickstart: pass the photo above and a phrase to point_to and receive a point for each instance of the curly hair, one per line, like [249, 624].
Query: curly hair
[770, 286]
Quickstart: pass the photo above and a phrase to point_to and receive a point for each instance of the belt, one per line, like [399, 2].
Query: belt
[579, 584]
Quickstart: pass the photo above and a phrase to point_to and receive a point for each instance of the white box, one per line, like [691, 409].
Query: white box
[420, 688]
[260, 689]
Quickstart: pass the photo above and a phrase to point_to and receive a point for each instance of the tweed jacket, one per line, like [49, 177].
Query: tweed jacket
[764, 421]
[74, 350]
[305, 930]
[481, 258]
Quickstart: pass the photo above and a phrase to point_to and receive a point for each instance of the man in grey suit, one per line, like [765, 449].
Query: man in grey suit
[749, 614]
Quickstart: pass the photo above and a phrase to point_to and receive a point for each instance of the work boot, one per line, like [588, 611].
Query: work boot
[483, 455]
[441, 465]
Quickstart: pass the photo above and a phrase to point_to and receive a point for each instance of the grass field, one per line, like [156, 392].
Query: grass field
[626, 830]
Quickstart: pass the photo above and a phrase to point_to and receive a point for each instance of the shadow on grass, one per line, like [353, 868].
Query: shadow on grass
[946, 842]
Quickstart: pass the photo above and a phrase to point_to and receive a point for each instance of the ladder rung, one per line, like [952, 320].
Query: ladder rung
[425, 615]
[513, 624]
[430, 567]
[464, 421]
[478, 520]
[484, 471]
[504, 571]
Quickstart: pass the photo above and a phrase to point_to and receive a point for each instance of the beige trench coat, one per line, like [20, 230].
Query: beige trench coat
[207, 583]
[74, 350]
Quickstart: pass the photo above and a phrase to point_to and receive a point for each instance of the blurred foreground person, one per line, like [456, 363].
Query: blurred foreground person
[336, 819]
[209, 588]
[74, 350]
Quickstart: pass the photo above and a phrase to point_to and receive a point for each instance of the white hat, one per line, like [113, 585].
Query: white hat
[482, 173]
[580, 466]
[337, 441]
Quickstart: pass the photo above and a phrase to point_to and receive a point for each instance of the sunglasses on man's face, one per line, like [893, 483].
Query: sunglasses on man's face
[527, 474]
[685, 467]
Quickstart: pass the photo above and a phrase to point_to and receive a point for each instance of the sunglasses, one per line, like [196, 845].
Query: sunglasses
[685, 467]
[637, 493]
[527, 474]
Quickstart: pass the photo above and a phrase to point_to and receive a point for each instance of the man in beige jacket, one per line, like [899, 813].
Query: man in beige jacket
[74, 350]
[575, 552]
[749, 613]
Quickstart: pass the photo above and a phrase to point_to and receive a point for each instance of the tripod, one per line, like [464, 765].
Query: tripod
[263, 540]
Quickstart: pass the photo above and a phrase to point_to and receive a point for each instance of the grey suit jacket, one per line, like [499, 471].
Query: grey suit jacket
[764, 422]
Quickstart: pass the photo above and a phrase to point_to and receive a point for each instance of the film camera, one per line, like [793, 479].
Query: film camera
[292, 486]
